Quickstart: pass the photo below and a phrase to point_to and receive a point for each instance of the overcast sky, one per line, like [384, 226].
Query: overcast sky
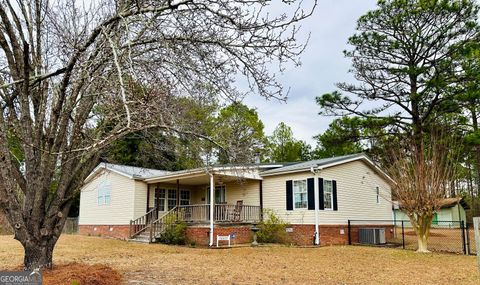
[323, 65]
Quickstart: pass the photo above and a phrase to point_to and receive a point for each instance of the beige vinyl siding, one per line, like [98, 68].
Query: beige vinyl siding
[356, 195]
[140, 206]
[121, 208]
[197, 195]
[248, 191]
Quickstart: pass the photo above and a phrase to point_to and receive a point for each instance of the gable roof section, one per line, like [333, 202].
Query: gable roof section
[324, 163]
[131, 172]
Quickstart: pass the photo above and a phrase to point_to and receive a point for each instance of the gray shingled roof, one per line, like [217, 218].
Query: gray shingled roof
[136, 172]
[312, 163]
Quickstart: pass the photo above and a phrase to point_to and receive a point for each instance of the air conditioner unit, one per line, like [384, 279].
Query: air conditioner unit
[371, 236]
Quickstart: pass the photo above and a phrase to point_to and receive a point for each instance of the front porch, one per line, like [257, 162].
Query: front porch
[222, 213]
[188, 196]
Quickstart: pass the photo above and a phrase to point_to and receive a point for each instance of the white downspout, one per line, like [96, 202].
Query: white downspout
[212, 206]
[316, 197]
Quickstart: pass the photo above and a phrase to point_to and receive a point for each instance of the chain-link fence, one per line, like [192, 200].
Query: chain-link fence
[445, 236]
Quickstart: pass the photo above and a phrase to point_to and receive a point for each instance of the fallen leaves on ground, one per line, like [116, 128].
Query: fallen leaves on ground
[81, 274]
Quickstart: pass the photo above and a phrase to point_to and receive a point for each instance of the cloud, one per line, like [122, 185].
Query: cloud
[323, 65]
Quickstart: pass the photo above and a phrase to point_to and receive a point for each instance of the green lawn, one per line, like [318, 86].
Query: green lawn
[161, 264]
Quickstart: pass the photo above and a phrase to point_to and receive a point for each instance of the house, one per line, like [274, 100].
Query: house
[452, 210]
[317, 198]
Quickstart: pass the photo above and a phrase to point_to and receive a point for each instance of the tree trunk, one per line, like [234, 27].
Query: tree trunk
[422, 243]
[421, 225]
[38, 254]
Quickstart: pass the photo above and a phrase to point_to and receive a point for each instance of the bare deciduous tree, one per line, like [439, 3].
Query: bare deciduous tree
[422, 179]
[69, 77]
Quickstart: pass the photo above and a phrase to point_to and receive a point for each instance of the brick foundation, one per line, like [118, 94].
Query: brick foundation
[330, 234]
[299, 235]
[113, 231]
[200, 234]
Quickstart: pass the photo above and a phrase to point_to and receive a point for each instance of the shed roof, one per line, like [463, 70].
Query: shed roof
[444, 203]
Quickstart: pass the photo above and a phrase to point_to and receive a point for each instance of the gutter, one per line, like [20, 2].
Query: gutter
[212, 205]
[316, 198]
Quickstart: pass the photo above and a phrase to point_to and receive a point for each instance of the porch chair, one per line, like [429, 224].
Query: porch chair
[187, 214]
[237, 211]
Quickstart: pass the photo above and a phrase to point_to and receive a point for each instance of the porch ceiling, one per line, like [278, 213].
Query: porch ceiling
[197, 179]
[202, 176]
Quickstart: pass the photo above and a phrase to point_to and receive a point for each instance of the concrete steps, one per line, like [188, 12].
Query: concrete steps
[143, 237]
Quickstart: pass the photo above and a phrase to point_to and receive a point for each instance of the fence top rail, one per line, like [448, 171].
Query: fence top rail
[375, 220]
[439, 221]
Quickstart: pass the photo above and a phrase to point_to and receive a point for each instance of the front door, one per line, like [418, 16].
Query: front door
[159, 200]
[219, 195]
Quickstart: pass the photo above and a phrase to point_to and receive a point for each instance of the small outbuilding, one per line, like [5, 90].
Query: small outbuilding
[452, 210]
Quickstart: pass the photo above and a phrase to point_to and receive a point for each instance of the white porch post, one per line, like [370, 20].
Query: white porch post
[316, 197]
[212, 207]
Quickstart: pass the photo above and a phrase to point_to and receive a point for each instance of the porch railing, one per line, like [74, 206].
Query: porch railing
[193, 213]
[155, 225]
[159, 226]
[222, 213]
[140, 224]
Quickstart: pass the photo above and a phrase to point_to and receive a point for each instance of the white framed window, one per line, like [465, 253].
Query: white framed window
[160, 199]
[300, 194]
[184, 197]
[166, 199]
[172, 199]
[328, 194]
[104, 193]
[377, 189]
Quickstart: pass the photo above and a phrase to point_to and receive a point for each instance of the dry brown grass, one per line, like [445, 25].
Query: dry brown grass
[161, 264]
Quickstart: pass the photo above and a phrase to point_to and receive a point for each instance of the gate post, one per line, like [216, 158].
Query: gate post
[462, 229]
[403, 236]
[467, 238]
[476, 226]
[349, 233]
